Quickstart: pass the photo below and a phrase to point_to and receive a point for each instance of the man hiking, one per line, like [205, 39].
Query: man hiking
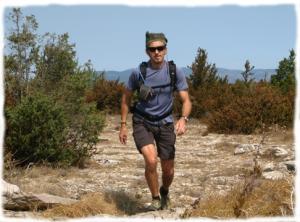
[153, 125]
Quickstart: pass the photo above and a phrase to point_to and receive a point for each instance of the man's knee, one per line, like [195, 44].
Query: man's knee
[168, 172]
[150, 157]
[167, 167]
[151, 164]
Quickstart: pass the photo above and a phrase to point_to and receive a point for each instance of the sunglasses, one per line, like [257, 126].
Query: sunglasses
[159, 48]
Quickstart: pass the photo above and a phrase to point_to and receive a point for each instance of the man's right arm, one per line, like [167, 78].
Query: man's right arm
[125, 103]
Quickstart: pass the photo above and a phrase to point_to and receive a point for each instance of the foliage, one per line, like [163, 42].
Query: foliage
[35, 130]
[285, 77]
[261, 105]
[57, 61]
[209, 98]
[107, 94]
[21, 43]
[205, 85]
[244, 106]
[49, 68]
[83, 120]
[202, 72]
[247, 73]
[82, 133]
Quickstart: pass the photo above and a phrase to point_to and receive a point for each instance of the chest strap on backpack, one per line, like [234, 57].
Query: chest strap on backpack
[172, 73]
[143, 71]
[152, 118]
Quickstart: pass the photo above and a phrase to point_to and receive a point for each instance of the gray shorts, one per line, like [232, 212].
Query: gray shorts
[164, 137]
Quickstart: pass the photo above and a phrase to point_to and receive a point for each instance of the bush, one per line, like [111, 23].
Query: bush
[107, 94]
[39, 130]
[35, 130]
[255, 107]
[210, 98]
[237, 117]
[83, 133]
[84, 121]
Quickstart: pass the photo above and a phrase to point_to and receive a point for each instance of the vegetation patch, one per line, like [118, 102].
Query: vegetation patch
[89, 205]
[267, 199]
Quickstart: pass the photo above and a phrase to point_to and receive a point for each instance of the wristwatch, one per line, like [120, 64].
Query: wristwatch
[185, 118]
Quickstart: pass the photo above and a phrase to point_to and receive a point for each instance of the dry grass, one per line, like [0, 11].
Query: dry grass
[225, 146]
[90, 205]
[126, 203]
[281, 136]
[40, 178]
[268, 198]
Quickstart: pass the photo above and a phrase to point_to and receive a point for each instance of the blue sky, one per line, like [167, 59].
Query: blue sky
[113, 36]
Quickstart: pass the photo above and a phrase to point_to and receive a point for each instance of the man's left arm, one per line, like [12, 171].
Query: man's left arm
[180, 126]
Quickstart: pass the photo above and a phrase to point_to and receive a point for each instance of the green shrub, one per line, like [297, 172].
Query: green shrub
[35, 130]
[83, 131]
[84, 121]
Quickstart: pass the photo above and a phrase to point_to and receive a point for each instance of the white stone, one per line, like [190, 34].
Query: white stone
[245, 148]
[280, 152]
[268, 167]
[9, 189]
[273, 175]
[24, 201]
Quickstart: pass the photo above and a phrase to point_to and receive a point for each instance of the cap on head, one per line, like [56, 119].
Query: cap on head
[151, 37]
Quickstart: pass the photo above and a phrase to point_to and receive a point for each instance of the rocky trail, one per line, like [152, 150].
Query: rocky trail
[206, 164]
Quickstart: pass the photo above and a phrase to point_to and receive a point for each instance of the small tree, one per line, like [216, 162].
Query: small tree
[202, 72]
[247, 74]
[57, 61]
[23, 51]
[285, 76]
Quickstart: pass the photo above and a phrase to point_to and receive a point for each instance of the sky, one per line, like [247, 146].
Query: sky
[113, 36]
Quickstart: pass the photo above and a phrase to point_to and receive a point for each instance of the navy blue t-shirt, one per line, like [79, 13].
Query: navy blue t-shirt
[162, 99]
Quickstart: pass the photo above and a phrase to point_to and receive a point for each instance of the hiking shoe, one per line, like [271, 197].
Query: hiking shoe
[165, 202]
[164, 198]
[155, 205]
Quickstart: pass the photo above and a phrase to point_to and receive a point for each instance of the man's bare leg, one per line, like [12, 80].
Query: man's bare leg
[167, 167]
[150, 156]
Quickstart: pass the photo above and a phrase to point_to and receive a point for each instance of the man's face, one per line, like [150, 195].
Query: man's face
[156, 51]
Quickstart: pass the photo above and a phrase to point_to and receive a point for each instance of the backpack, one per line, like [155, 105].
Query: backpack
[173, 78]
[172, 73]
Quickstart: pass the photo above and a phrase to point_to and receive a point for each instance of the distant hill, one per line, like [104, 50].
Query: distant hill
[233, 74]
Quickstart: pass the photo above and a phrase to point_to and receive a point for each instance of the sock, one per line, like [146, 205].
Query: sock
[163, 191]
[156, 198]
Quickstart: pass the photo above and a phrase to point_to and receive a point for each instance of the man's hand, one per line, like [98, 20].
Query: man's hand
[123, 134]
[180, 126]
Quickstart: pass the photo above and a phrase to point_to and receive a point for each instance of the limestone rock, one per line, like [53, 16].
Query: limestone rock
[279, 152]
[273, 175]
[19, 214]
[9, 189]
[24, 201]
[268, 167]
[245, 148]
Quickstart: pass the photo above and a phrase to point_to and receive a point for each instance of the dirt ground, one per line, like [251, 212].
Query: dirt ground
[205, 164]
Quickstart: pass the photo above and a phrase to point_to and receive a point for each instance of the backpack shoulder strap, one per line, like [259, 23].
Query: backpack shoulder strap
[172, 72]
[143, 69]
